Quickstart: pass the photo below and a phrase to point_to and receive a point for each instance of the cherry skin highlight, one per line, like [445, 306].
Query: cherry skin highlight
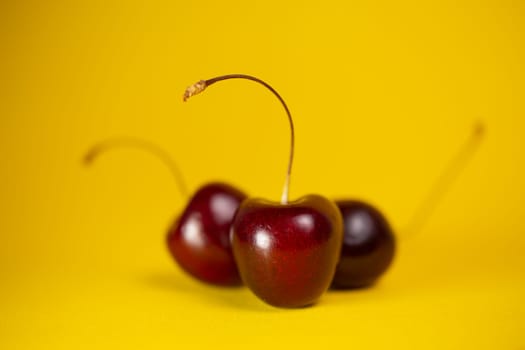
[287, 254]
[368, 247]
[199, 240]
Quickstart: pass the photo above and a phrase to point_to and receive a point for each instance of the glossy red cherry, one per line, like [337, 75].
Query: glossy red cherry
[368, 245]
[199, 240]
[286, 252]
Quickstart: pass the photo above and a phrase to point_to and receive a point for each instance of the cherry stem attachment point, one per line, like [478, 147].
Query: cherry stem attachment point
[201, 85]
[126, 142]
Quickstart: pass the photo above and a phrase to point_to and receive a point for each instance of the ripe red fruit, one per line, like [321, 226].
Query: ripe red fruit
[286, 252]
[199, 239]
[368, 245]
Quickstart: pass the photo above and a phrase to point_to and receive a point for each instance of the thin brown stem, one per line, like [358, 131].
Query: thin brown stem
[131, 142]
[201, 85]
[445, 180]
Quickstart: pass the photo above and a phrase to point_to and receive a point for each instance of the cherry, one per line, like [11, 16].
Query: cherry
[286, 252]
[369, 242]
[199, 239]
[368, 245]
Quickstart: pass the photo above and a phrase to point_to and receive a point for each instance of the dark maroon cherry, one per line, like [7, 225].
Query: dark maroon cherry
[368, 245]
[286, 252]
[200, 238]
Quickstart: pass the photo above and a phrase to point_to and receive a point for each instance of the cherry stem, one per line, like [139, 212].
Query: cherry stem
[126, 142]
[445, 180]
[201, 85]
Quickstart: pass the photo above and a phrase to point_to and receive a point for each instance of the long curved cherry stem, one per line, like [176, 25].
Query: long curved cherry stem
[126, 142]
[445, 180]
[199, 86]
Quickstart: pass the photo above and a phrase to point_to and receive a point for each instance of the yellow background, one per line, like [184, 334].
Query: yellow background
[383, 93]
